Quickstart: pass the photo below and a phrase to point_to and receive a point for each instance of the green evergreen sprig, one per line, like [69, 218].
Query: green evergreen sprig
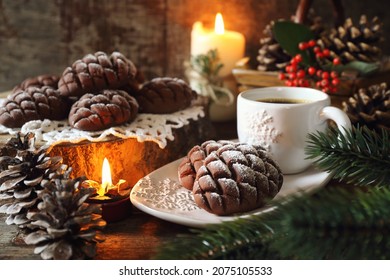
[208, 65]
[360, 156]
[334, 224]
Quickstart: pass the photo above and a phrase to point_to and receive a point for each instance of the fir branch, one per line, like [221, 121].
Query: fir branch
[334, 224]
[353, 226]
[240, 239]
[360, 157]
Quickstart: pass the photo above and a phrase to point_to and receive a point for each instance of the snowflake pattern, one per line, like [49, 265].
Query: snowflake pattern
[260, 130]
[165, 194]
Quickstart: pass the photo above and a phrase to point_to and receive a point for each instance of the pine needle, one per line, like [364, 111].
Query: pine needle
[360, 157]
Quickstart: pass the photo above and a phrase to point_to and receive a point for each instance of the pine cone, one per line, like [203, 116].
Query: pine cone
[38, 81]
[352, 42]
[194, 160]
[95, 72]
[370, 106]
[67, 226]
[164, 96]
[21, 178]
[236, 178]
[33, 104]
[271, 56]
[108, 108]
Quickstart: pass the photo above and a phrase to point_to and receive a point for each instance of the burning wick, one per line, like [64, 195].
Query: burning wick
[106, 187]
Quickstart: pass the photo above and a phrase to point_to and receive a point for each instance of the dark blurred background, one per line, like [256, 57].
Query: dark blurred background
[45, 36]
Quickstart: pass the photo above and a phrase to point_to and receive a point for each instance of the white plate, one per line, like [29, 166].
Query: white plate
[160, 194]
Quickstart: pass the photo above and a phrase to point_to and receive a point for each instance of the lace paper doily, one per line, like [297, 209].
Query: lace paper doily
[146, 127]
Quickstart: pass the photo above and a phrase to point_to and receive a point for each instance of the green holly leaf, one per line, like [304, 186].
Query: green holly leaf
[364, 68]
[289, 34]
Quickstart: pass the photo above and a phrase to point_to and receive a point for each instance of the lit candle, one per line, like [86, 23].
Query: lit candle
[229, 44]
[114, 199]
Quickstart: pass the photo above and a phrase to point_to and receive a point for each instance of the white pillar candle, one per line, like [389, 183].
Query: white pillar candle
[229, 44]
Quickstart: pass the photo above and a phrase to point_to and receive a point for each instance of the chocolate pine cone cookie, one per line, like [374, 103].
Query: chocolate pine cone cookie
[194, 160]
[236, 178]
[165, 95]
[108, 108]
[33, 103]
[38, 81]
[95, 72]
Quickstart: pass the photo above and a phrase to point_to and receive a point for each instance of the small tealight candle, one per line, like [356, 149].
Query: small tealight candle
[115, 200]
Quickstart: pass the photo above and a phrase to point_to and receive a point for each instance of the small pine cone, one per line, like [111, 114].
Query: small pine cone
[38, 81]
[66, 227]
[33, 103]
[95, 72]
[370, 106]
[236, 178]
[21, 178]
[108, 108]
[165, 95]
[194, 160]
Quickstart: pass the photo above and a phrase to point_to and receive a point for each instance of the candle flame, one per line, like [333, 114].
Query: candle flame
[106, 173]
[219, 26]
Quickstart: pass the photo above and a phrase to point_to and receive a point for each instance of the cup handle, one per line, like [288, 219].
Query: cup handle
[338, 116]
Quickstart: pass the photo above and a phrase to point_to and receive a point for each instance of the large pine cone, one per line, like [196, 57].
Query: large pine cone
[194, 160]
[38, 81]
[352, 42]
[370, 106]
[108, 108]
[66, 226]
[236, 178]
[95, 72]
[33, 103]
[165, 95]
[21, 178]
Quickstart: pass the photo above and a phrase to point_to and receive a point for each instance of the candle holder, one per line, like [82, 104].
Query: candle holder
[113, 209]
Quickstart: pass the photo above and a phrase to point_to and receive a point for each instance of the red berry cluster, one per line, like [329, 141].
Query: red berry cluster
[300, 75]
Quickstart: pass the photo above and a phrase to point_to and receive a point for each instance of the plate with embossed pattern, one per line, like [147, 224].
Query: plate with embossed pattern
[161, 195]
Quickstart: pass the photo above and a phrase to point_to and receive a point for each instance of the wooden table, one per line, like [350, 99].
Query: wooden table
[136, 237]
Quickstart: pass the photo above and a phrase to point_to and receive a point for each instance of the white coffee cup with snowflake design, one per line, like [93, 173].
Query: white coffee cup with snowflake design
[280, 119]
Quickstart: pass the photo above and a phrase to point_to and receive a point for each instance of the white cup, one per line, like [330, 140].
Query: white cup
[282, 128]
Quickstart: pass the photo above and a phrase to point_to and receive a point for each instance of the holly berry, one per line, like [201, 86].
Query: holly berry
[311, 70]
[336, 61]
[301, 74]
[335, 81]
[311, 43]
[303, 46]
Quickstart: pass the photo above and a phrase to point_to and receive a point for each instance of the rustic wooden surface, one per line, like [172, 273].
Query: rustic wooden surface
[134, 238]
[45, 36]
